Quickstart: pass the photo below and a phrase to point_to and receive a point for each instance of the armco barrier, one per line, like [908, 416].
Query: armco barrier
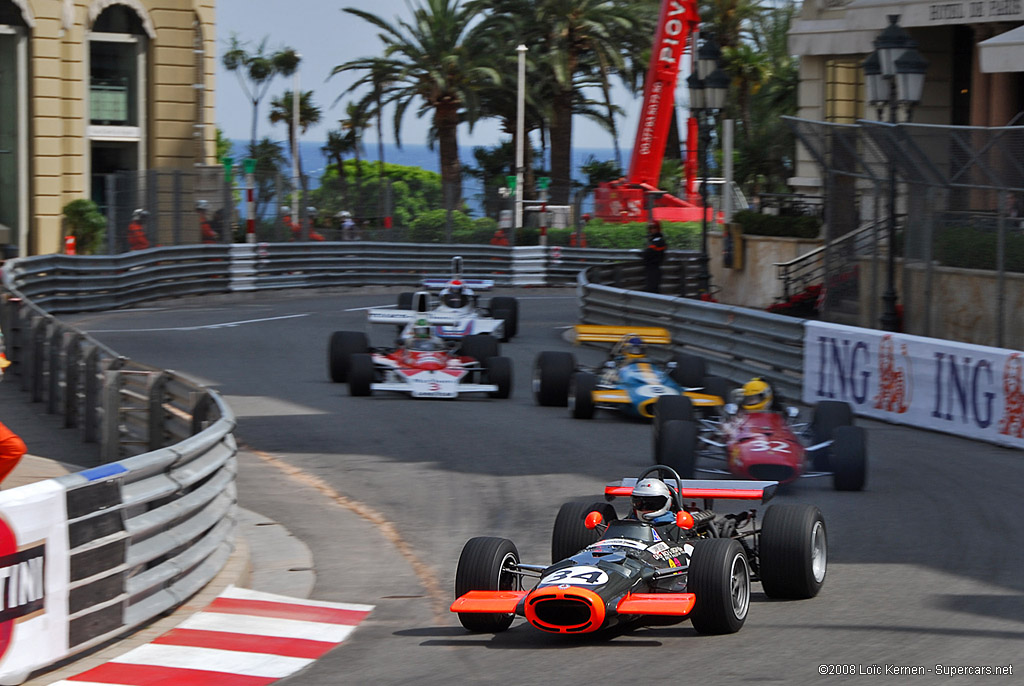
[96, 554]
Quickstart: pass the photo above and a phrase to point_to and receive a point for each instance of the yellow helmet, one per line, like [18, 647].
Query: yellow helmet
[757, 395]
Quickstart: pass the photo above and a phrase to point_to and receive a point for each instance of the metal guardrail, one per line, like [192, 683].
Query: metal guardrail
[154, 522]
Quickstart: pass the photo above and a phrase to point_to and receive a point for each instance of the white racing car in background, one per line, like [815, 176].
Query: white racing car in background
[457, 304]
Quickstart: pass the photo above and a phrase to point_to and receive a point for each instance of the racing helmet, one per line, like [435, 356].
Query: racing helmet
[139, 215]
[421, 329]
[455, 294]
[757, 395]
[201, 204]
[651, 498]
[634, 347]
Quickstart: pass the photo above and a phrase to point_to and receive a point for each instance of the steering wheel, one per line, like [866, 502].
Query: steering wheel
[671, 472]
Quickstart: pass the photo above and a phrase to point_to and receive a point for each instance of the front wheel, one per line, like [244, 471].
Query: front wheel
[486, 564]
[507, 308]
[689, 371]
[570, 535]
[551, 373]
[792, 551]
[360, 374]
[499, 373]
[719, 575]
[479, 346]
[679, 447]
[667, 408]
[581, 395]
[342, 346]
[848, 458]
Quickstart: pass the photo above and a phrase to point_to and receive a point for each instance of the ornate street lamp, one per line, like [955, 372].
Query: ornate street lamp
[708, 86]
[897, 61]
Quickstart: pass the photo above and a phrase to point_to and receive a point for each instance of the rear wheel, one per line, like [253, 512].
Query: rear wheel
[486, 564]
[828, 416]
[718, 386]
[551, 373]
[342, 346]
[570, 534]
[360, 374]
[848, 458]
[792, 551]
[507, 308]
[581, 395]
[667, 408]
[719, 575]
[479, 346]
[405, 300]
[689, 371]
[499, 373]
[679, 447]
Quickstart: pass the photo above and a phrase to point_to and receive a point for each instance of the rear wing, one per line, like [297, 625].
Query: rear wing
[474, 284]
[594, 333]
[402, 317]
[708, 489]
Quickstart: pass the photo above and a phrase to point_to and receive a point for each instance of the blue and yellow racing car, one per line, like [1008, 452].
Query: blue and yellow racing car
[629, 380]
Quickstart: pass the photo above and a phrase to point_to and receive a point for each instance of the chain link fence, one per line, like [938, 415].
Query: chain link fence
[955, 199]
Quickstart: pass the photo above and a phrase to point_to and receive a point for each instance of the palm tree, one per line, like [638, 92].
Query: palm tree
[353, 127]
[255, 71]
[281, 111]
[432, 59]
[335, 148]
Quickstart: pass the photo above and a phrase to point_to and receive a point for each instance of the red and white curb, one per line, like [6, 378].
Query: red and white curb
[243, 638]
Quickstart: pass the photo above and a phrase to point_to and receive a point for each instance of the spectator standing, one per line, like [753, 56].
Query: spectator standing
[205, 228]
[500, 237]
[653, 256]
[311, 215]
[137, 239]
[348, 227]
[12, 448]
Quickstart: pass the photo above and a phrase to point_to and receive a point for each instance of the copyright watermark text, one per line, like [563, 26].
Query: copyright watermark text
[874, 669]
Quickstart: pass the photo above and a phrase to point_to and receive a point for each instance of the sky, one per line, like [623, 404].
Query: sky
[325, 37]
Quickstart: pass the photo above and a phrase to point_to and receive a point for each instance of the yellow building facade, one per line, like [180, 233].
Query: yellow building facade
[90, 88]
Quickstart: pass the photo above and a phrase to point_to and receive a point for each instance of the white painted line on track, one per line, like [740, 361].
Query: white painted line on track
[220, 325]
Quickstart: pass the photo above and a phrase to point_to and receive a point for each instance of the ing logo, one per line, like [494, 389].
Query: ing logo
[1012, 423]
[22, 592]
[893, 377]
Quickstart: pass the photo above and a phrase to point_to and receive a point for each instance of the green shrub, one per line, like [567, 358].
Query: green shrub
[967, 247]
[756, 224]
[86, 224]
[430, 227]
[609, 235]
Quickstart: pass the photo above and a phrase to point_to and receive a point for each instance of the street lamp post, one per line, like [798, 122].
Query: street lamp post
[520, 143]
[708, 86]
[896, 61]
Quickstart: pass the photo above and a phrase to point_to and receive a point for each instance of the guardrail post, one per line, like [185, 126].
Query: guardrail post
[72, 378]
[37, 343]
[110, 439]
[92, 383]
[53, 366]
[201, 411]
[157, 392]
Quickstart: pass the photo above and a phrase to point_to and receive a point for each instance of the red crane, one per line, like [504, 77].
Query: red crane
[624, 200]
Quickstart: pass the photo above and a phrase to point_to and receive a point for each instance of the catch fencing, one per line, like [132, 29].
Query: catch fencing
[955, 197]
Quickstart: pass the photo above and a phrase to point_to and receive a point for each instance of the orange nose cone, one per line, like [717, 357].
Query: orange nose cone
[593, 519]
[566, 610]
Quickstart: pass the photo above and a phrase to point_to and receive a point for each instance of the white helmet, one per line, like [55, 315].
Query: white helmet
[140, 214]
[286, 210]
[201, 204]
[651, 498]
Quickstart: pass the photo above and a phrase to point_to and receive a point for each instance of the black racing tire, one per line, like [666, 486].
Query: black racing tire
[679, 447]
[342, 346]
[718, 386]
[828, 415]
[848, 458]
[719, 575]
[570, 534]
[499, 373]
[484, 565]
[504, 315]
[689, 371]
[405, 300]
[581, 395]
[792, 551]
[360, 374]
[509, 308]
[551, 373]
[667, 408]
[479, 346]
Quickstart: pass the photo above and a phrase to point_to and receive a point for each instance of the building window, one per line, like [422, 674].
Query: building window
[113, 82]
[844, 91]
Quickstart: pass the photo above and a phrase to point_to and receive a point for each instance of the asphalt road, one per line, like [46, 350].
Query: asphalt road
[924, 565]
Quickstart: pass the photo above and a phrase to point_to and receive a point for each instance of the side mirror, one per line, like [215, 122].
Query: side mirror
[684, 520]
[593, 520]
[792, 412]
[731, 409]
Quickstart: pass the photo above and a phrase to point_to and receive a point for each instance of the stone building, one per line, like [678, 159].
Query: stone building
[93, 87]
[974, 48]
